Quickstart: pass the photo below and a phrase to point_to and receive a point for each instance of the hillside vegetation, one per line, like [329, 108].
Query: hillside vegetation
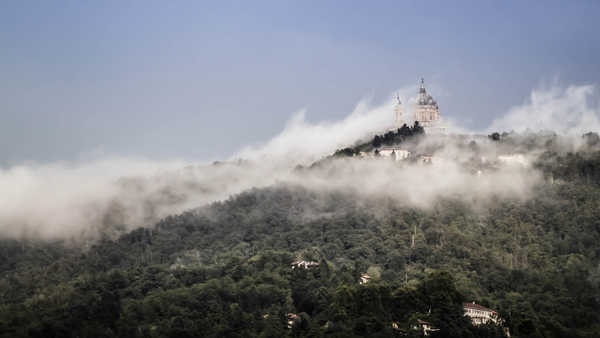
[224, 270]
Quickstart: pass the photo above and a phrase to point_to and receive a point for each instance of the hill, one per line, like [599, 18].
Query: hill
[225, 269]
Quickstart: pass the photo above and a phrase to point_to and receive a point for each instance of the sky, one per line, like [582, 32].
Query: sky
[201, 80]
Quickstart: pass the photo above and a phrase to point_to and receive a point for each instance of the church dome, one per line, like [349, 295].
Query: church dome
[425, 99]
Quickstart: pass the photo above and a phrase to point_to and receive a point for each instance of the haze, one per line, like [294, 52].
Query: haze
[200, 81]
[112, 113]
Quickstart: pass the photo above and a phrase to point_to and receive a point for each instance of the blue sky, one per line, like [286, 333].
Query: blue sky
[199, 80]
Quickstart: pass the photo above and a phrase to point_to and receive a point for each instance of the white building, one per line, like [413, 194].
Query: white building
[291, 319]
[425, 158]
[421, 325]
[304, 264]
[398, 153]
[480, 314]
[426, 112]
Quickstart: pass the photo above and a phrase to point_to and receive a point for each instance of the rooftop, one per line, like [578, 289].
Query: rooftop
[477, 307]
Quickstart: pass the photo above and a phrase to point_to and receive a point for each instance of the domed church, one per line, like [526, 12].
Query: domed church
[426, 111]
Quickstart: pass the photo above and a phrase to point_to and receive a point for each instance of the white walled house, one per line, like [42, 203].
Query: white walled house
[398, 153]
[304, 264]
[480, 314]
[426, 159]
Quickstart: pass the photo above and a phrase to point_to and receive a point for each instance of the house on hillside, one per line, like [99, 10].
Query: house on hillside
[304, 264]
[364, 279]
[426, 159]
[395, 152]
[291, 319]
[480, 314]
[426, 327]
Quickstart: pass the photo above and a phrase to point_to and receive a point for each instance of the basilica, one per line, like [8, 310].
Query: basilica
[426, 112]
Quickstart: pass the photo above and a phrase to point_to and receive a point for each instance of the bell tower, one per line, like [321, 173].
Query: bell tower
[399, 110]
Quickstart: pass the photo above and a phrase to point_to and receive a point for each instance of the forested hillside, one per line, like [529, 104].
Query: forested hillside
[224, 270]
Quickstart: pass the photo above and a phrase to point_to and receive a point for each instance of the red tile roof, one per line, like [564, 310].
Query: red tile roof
[477, 307]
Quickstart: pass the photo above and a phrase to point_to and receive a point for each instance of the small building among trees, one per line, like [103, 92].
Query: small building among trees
[480, 314]
[396, 153]
[304, 264]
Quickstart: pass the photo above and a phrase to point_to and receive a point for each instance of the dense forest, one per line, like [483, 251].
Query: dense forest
[225, 269]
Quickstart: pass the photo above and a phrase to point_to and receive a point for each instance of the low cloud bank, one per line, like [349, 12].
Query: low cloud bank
[80, 201]
[571, 110]
[301, 141]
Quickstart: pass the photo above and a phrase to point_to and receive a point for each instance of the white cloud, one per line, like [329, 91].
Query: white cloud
[75, 200]
[301, 141]
[566, 110]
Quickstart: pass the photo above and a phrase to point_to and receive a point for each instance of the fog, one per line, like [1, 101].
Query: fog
[111, 195]
[570, 110]
[303, 142]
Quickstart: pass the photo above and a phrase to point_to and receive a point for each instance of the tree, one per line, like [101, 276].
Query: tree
[377, 141]
[417, 129]
[494, 136]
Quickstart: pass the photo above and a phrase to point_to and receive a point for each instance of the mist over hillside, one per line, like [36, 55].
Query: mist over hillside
[110, 195]
[524, 245]
[273, 169]
[318, 232]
